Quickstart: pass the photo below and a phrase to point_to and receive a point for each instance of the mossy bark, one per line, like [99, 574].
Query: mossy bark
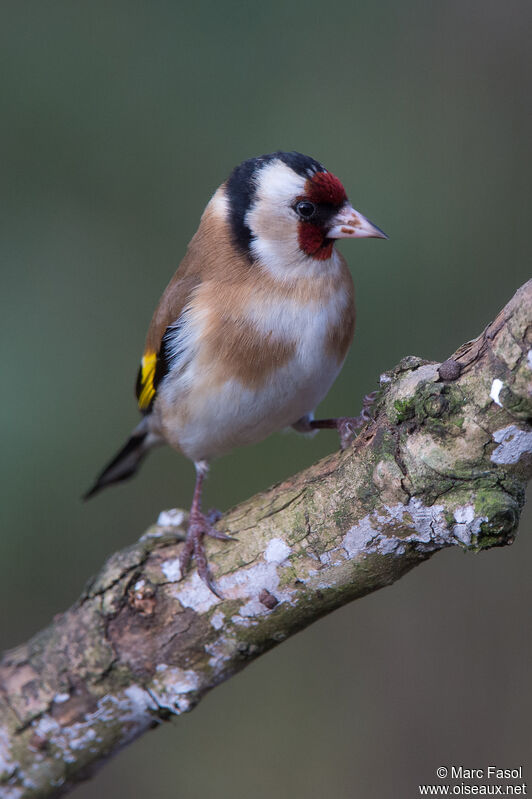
[444, 462]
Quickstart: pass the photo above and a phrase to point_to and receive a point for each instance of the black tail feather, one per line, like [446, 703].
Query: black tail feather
[125, 463]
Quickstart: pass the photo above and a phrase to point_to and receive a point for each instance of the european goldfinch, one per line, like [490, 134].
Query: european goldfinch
[252, 329]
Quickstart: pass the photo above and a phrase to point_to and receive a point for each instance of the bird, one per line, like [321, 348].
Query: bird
[252, 329]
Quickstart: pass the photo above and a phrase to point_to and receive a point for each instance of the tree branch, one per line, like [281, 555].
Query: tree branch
[443, 463]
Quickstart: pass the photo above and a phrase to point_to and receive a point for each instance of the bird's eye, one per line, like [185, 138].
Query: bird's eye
[305, 209]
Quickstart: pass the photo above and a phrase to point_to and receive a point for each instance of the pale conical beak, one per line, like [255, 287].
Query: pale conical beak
[350, 224]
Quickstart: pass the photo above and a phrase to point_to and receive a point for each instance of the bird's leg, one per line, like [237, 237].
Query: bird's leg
[200, 525]
[347, 426]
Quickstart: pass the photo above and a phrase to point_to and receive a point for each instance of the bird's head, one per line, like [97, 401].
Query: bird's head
[286, 211]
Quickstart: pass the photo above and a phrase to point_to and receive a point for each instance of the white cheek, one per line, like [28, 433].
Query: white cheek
[284, 260]
[281, 257]
[273, 222]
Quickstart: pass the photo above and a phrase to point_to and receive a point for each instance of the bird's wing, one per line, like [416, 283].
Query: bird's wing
[162, 340]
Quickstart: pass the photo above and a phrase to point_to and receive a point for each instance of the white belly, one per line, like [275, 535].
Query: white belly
[235, 415]
[205, 418]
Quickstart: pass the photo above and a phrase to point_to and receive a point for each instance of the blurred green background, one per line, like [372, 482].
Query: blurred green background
[119, 121]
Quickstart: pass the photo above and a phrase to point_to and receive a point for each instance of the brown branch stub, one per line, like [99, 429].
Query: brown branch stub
[444, 462]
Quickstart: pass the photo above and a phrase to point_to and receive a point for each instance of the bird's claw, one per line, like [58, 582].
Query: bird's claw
[213, 515]
[348, 426]
[221, 536]
[201, 525]
[202, 565]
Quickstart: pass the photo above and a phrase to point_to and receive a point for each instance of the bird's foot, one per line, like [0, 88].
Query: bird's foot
[213, 515]
[199, 526]
[348, 426]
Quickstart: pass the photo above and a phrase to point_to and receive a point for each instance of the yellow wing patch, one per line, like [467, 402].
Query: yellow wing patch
[146, 388]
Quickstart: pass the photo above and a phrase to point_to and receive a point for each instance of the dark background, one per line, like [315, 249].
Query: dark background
[120, 120]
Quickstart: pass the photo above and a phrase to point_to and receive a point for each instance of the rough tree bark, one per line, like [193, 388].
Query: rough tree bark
[444, 462]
